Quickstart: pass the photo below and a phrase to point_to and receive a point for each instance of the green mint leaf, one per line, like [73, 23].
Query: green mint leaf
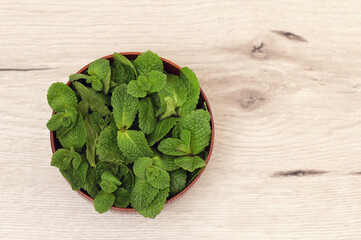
[76, 158]
[147, 118]
[97, 85]
[103, 98]
[103, 201]
[90, 185]
[174, 147]
[134, 90]
[161, 129]
[161, 177]
[190, 163]
[97, 121]
[125, 107]
[143, 194]
[117, 72]
[107, 148]
[165, 162]
[172, 96]
[133, 145]
[92, 98]
[143, 83]
[76, 177]
[109, 183]
[61, 159]
[82, 108]
[122, 198]
[74, 77]
[141, 165]
[157, 81]
[198, 123]
[102, 167]
[156, 206]
[129, 70]
[193, 91]
[105, 82]
[99, 68]
[178, 180]
[75, 137]
[91, 139]
[194, 174]
[147, 62]
[61, 96]
[56, 121]
[151, 173]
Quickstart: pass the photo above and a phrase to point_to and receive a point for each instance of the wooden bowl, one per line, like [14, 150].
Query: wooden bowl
[172, 68]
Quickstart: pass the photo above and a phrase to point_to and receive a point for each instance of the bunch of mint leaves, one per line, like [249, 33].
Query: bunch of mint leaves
[132, 134]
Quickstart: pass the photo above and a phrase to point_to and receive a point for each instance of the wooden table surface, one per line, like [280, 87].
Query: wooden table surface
[283, 80]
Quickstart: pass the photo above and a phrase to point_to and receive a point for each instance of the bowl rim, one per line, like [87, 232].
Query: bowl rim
[86, 196]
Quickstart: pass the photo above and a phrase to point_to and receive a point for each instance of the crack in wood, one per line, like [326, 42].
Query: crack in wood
[298, 173]
[290, 35]
[22, 69]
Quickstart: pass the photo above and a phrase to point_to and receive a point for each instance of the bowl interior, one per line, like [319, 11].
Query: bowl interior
[171, 68]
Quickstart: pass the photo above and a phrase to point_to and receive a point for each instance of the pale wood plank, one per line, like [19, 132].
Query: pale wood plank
[291, 105]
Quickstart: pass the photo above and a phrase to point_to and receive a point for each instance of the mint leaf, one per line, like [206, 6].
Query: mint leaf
[91, 139]
[190, 163]
[156, 206]
[193, 91]
[122, 197]
[56, 121]
[141, 165]
[76, 158]
[157, 81]
[172, 96]
[151, 173]
[109, 183]
[143, 83]
[105, 82]
[161, 129]
[178, 180]
[165, 162]
[194, 174]
[90, 185]
[117, 72]
[147, 62]
[134, 90]
[161, 179]
[68, 121]
[101, 97]
[102, 167]
[125, 107]
[147, 118]
[129, 70]
[78, 76]
[61, 96]
[133, 145]
[61, 159]
[176, 147]
[76, 177]
[75, 137]
[99, 68]
[143, 194]
[103, 201]
[107, 148]
[82, 108]
[95, 104]
[198, 123]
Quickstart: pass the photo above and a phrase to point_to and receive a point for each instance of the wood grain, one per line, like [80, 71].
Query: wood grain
[283, 79]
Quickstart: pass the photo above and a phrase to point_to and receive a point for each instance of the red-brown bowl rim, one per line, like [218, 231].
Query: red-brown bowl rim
[134, 54]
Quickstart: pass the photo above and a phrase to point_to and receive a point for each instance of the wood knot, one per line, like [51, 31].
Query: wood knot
[250, 98]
